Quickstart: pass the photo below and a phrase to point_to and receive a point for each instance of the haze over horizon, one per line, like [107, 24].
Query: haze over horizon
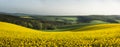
[61, 7]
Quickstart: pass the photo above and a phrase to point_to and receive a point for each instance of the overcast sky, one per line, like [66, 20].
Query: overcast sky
[62, 7]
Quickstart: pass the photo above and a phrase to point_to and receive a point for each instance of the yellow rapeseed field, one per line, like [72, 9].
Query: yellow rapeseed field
[102, 35]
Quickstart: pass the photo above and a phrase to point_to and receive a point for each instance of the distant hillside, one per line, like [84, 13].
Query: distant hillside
[40, 22]
[71, 19]
[31, 23]
[65, 19]
[109, 19]
[79, 19]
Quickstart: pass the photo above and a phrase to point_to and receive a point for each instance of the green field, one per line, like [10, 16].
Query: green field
[100, 35]
[69, 27]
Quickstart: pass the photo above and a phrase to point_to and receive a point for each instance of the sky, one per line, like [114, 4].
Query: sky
[61, 7]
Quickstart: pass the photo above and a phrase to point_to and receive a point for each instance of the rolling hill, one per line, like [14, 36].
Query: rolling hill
[98, 27]
[12, 30]
[12, 27]
[12, 35]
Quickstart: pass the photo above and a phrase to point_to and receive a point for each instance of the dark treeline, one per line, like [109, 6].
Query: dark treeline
[31, 23]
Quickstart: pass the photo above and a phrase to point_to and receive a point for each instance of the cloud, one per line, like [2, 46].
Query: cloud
[83, 7]
[62, 7]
